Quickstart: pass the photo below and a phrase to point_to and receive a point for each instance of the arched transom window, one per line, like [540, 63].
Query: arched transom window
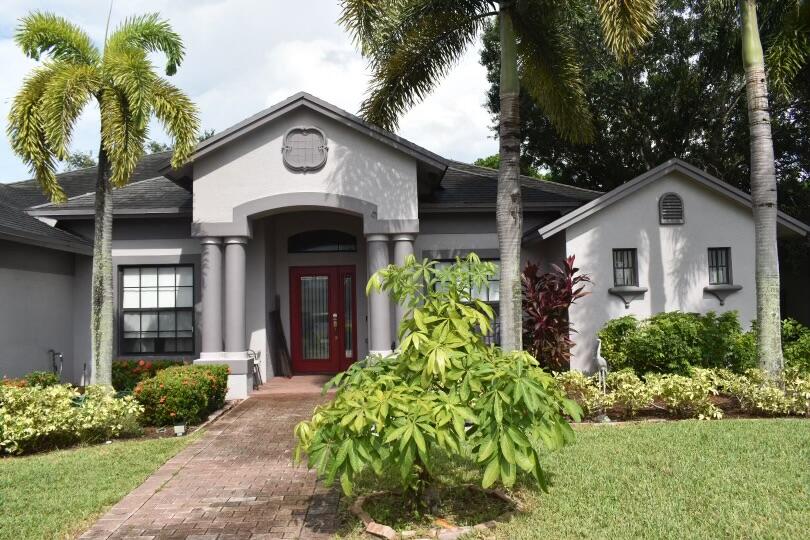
[321, 241]
[670, 209]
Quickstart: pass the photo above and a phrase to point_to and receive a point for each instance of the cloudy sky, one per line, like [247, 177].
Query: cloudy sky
[245, 55]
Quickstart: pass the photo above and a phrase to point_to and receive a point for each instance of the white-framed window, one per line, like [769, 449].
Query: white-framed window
[156, 309]
[490, 293]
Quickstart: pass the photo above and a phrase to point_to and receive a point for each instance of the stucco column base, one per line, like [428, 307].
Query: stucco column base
[240, 378]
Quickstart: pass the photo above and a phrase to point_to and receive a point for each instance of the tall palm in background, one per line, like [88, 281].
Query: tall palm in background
[128, 91]
[412, 44]
[788, 51]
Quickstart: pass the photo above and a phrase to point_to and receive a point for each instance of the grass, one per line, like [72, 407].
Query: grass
[58, 494]
[688, 479]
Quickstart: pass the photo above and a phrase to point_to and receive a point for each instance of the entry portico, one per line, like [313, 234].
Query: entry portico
[269, 178]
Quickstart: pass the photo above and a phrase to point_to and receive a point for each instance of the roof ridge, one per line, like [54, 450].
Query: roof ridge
[532, 178]
[44, 205]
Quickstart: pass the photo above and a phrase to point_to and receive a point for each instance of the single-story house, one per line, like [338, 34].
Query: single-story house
[268, 235]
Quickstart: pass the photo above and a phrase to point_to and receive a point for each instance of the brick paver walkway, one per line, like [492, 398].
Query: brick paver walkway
[237, 481]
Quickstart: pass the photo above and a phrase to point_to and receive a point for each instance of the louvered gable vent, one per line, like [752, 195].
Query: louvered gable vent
[670, 209]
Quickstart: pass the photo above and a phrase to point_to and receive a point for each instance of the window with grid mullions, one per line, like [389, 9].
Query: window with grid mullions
[720, 266]
[157, 309]
[625, 268]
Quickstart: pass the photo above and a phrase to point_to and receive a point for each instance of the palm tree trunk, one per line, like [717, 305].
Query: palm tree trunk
[763, 193]
[101, 327]
[509, 211]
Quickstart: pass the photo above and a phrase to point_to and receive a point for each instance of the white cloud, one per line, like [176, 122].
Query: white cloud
[245, 55]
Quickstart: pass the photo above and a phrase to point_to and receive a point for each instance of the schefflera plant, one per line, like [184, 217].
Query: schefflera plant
[445, 391]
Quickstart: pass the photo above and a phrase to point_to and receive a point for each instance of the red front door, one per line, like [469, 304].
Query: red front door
[323, 317]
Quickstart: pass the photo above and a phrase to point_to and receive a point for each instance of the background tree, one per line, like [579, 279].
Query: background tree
[122, 80]
[412, 44]
[78, 160]
[683, 96]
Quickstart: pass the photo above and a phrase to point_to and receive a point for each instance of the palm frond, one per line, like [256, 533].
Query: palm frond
[552, 74]
[27, 133]
[408, 70]
[64, 98]
[149, 33]
[131, 73]
[363, 18]
[789, 49]
[626, 24]
[122, 135]
[45, 33]
[179, 117]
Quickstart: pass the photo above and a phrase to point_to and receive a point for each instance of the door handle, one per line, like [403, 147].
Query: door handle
[334, 321]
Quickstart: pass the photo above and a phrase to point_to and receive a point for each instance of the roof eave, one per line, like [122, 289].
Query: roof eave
[78, 246]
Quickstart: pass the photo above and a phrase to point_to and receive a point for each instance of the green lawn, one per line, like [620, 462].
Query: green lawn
[56, 495]
[690, 479]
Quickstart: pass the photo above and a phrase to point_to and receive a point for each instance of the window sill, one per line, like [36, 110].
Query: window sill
[628, 293]
[721, 292]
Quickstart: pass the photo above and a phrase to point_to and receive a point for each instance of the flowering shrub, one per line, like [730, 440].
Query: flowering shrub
[38, 418]
[182, 394]
[126, 374]
[42, 378]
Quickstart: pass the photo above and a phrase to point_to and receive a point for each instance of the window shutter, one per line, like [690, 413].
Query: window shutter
[670, 209]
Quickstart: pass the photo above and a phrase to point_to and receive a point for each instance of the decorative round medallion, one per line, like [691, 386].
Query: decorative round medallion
[304, 149]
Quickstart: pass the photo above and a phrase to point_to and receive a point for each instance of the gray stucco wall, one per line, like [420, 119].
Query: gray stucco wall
[672, 259]
[36, 295]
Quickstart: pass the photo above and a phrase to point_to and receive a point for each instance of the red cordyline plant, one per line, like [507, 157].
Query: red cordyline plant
[546, 299]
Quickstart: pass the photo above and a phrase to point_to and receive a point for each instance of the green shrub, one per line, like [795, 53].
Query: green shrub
[38, 418]
[614, 337]
[446, 397]
[629, 392]
[42, 379]
[126, 374]
[674, 342]
[796, 345]
[182, 394]
[686, 397]
[585, 391]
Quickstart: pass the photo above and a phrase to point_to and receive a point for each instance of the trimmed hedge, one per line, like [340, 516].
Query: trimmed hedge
[34, 418]
[182, 394]
[674, 342]
[126, 374]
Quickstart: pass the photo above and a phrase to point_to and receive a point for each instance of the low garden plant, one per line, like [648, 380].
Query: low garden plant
[34, 418]
[690, 396]
[182, 394]
[446, 396]
[126, 374]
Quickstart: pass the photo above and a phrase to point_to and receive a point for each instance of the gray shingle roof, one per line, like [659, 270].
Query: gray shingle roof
[470, 186]
[17, 226]
[79, 182]
[149, 196]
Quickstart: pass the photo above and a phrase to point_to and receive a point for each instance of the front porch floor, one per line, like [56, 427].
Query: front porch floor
[237, 481]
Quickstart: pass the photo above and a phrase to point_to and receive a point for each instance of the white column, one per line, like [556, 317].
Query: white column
[235, 257]
[211, 293]
[403, 247]
[379, 303]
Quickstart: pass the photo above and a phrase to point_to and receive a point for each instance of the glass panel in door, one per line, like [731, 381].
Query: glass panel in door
[314, 317]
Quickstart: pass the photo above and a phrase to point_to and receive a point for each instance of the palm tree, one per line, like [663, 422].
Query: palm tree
[122, 81]
[788, 52]
[412, 44]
